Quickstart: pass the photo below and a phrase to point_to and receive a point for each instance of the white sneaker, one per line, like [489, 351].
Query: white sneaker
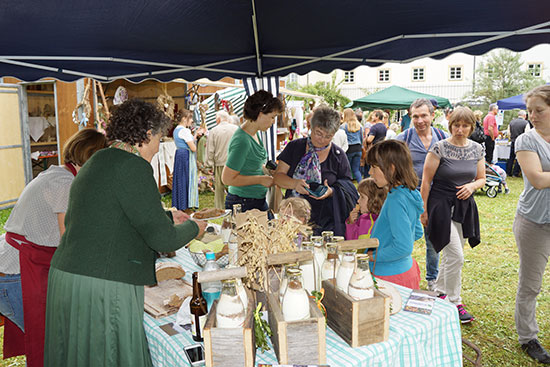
[431, 285]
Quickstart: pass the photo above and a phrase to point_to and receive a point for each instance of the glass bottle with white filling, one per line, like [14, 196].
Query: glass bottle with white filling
[230, 312]
[345, 270]
[361, 285]
[295, 304]
[284, 279]
[309, 273]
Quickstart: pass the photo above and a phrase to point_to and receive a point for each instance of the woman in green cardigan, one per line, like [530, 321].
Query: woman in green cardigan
[115, 225]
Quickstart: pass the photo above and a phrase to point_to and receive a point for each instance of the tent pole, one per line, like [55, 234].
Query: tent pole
[256, 40]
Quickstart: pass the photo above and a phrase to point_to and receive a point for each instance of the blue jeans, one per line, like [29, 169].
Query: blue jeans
[432, 260]
[246, 203]
[355, 164]
[11, 299]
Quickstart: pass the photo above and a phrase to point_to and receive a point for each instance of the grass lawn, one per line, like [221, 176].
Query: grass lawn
[490, 278]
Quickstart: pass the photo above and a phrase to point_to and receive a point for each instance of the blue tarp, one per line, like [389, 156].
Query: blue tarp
[146, 39]
[511, 103]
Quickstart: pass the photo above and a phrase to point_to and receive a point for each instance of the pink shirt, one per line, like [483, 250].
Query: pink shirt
[490, 120]
[362, 226]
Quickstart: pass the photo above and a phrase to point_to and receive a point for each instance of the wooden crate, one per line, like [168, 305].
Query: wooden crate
[230, 346]
[297, 342]
[357, 322]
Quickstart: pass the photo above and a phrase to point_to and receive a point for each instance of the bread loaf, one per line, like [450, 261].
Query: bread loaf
[169, 270]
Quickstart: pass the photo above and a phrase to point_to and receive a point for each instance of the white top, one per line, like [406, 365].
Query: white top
[341, 139]
[534, 204]
[390, 134]
[35, 213]
[9, 257]
[186, 135]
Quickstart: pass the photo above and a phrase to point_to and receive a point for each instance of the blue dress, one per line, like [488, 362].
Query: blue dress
[185, 187]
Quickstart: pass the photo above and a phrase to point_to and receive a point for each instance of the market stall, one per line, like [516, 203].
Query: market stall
[414, 339]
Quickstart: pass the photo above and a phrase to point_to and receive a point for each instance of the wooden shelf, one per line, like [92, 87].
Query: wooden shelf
[43, 143]
[40, 93]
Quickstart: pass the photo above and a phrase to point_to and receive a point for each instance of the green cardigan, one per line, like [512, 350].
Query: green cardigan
[115, 222]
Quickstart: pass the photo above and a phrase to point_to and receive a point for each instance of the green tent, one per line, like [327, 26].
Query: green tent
[394, 98]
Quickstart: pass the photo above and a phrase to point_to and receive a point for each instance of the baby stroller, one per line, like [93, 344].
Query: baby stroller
[493, 182]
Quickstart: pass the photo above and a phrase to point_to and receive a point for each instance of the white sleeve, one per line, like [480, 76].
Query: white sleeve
[185, 135]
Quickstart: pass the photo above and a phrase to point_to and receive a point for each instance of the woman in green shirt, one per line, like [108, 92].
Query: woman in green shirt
[243, 171]
[115, 224]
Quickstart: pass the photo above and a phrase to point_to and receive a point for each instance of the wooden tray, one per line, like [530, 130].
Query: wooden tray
[157, 294]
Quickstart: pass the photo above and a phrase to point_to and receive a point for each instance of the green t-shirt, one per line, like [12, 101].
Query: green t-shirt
[246, 156]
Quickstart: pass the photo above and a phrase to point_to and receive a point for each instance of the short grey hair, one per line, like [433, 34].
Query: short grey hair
[236, 120]
[522, 113]
[222, 115]
[326, 118]
[492, 106]
[417, 103]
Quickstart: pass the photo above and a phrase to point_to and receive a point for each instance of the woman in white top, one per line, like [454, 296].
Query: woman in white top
[185, 188]
[33, 232]
[532, 222]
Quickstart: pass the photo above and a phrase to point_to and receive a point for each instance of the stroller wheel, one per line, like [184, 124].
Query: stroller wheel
[492, 192]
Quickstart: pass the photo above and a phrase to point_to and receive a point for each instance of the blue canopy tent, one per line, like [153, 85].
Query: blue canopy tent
[511, 103]
[146, 39]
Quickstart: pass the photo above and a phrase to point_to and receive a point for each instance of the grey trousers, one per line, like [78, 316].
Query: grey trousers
[533, 242]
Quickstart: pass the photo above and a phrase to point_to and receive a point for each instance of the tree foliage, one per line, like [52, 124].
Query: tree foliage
[501, 75]
[330, 91]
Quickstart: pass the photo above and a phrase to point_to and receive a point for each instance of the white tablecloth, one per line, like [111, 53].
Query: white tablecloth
[164, 158]
[415, 340]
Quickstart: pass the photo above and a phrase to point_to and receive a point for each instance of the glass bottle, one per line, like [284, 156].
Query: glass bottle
[308, 269]
[319, 256]
[346, 270]
[331, 264]
[284, 279]
[327, 237]
[336, 240]
[241, 291]
[211, 290]
[230, 312]
[361, 284]
[198, 310]
[295, 304]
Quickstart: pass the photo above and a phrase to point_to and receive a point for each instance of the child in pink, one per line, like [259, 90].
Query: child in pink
[362, 217]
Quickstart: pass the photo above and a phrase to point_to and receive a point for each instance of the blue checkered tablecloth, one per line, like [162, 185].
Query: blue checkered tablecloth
[415, 340]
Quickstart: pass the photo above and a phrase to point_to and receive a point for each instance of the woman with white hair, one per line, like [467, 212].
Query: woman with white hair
[319, 171]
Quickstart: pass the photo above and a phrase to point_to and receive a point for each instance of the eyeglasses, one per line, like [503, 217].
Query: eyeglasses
[320, 135]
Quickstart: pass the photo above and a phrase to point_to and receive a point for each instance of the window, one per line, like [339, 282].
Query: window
[418, 74]
[455, 72]
[349, 76]
[384, 75]
[535, 69]
[292, 78]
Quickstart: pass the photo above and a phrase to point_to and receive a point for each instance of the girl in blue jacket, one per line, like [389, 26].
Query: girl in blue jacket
[398, 224]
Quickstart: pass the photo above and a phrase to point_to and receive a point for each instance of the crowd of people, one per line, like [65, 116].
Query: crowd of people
[94, 248]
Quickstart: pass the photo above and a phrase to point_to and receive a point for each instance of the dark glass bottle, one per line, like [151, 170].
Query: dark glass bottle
[198, 310]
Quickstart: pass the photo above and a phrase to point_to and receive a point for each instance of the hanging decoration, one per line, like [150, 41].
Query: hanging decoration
[82, 111]
[121, 95]
[102, 110]
[166, 103]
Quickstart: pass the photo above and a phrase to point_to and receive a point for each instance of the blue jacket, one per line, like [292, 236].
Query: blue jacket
[397, 227]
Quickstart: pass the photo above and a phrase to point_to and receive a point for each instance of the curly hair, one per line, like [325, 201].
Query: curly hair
[132, 119]
[261, 101]
[376, 195]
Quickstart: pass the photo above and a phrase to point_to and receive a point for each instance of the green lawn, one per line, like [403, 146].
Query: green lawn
[489, 283]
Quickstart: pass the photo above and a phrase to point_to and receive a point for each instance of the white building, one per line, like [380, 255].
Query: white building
[452, 77]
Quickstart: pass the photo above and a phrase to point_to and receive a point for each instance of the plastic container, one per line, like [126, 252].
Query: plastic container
[211, 290]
